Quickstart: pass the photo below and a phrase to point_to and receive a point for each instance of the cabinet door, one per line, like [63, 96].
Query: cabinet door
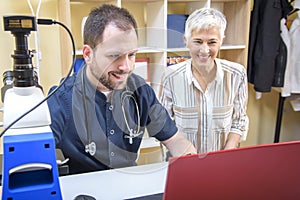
[237, 12]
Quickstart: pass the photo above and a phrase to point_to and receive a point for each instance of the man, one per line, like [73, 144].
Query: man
[99, 115]
[207, 96]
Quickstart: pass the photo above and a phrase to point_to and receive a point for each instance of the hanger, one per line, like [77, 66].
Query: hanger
[293, 11]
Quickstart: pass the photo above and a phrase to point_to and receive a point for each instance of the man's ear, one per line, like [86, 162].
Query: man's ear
[87, 53]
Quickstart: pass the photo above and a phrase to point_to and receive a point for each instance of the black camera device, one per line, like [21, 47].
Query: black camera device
[23, 74]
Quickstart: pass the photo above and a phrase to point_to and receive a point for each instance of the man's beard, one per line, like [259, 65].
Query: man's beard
[106, 82]
[103, 78]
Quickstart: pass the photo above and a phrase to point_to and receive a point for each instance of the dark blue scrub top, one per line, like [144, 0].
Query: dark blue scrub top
[106, 122]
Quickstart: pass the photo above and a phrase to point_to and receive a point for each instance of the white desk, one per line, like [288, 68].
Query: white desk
[116, 184]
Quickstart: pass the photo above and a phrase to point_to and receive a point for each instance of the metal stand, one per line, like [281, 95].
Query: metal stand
[279, 118]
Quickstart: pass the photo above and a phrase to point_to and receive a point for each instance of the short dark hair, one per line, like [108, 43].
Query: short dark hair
[103, 15]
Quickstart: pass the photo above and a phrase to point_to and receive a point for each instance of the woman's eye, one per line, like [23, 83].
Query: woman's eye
[114, 55]
[198, 42]
[212, 42]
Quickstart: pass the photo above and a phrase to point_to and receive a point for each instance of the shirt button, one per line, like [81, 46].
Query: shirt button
[112, 153]
[112, 131]
[111, 107]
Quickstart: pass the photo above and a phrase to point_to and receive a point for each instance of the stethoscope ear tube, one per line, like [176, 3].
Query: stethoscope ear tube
[90, 147]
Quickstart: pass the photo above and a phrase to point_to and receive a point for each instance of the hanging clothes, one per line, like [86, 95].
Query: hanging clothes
[292, 41]
[267, 52]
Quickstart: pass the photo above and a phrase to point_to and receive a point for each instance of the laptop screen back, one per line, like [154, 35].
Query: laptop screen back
[259, 172]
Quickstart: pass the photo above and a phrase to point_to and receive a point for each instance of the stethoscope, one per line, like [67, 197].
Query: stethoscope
[91, 147]
[132, 133]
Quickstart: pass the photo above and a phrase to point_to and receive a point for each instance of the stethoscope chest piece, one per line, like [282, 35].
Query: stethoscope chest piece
[91, 148]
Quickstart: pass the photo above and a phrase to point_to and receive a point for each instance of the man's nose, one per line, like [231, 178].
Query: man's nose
[124, 63]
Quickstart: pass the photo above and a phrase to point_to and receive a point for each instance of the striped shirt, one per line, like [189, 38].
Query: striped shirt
[206, 118]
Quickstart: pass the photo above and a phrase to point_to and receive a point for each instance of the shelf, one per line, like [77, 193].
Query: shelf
[179, 1]
[183, 49]
[106, 1]
[224, 1]
[150, 50]
[232, 47]
[223, 47]
[141, 50]
[185, 1]
[88, 1]
[149, 142]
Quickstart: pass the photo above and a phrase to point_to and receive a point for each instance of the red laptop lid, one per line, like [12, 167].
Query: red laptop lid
[251, 173]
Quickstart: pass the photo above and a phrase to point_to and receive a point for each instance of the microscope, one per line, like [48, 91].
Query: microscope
[29, 169]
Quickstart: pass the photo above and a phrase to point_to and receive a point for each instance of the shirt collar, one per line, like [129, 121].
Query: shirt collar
[190, 78]
[189, 74]
[220, 72]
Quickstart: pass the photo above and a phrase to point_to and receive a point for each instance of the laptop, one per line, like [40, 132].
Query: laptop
[259, 172]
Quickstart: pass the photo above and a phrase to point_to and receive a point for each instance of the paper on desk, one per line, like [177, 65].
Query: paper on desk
[295, 104]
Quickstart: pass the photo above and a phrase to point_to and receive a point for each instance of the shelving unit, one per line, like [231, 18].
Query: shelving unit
[151, 16]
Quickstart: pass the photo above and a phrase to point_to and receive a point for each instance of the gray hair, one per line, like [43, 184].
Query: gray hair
[205, 18]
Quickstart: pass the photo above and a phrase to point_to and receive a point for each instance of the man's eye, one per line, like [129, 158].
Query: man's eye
[132, 54]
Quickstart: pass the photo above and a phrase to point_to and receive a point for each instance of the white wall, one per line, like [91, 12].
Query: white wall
[50, 70]
[48, 40]
[262, 114]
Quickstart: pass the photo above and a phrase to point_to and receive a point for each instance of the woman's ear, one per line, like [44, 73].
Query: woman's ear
[223, 40]
[87, 53]
[185, 41]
